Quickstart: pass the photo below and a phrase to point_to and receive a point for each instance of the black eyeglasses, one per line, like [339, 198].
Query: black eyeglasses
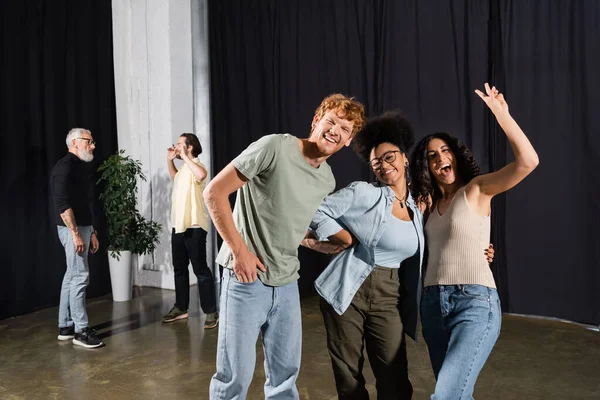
[389, 157]
[90, 141]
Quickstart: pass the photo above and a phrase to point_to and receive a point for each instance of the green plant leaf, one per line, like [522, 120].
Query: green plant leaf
[127, 228]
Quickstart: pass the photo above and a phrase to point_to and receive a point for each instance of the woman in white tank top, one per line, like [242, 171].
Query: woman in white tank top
[460, 308]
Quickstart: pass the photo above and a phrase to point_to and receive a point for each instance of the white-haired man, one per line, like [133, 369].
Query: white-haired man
[72, 189]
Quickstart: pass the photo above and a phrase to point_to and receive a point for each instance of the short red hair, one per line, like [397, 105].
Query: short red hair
[345, 107]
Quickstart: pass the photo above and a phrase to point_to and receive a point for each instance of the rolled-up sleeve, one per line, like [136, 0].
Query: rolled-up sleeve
[60, 191]
[325, 222]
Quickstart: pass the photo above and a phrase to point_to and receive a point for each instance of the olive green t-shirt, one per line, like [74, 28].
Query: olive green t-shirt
[274, 208]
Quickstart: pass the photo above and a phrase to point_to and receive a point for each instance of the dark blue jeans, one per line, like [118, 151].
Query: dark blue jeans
[461, 324]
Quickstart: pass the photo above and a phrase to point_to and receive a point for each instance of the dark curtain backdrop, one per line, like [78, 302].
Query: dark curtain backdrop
[56, 74]
[272, 62]
[552, 62]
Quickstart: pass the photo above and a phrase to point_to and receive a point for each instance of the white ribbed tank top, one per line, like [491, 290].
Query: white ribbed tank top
[456, 242]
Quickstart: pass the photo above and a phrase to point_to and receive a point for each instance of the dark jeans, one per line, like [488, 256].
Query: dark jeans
[190, 246]
[372, 320]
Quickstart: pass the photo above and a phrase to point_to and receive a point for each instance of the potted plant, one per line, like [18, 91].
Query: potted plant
[128, 232]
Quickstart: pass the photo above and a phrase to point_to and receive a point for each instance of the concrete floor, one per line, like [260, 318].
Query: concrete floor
[144, 359]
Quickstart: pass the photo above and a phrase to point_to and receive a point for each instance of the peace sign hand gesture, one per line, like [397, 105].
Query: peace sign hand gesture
[494, 99]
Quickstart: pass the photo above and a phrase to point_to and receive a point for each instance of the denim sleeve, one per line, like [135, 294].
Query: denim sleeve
[325, 222]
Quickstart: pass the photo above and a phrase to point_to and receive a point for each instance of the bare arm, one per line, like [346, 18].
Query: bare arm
[171, 154]
[484, 187]
[172, 169]
[336, 243]
[343, 238]
[216, 198]
[68, 218]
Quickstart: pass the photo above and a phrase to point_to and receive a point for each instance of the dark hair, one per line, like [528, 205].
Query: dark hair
[192, 140]
[423, 184]
[390, 127]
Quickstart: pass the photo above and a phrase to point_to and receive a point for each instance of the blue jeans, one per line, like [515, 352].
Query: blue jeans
[71, 310]
[247, 309]
[461, 324]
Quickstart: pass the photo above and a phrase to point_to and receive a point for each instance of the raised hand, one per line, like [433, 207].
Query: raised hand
[171, 152]
[493, 99]
[184, 151]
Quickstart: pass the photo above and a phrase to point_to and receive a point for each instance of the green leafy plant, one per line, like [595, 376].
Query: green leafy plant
[127, 229]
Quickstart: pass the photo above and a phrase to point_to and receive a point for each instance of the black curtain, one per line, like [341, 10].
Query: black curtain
[551, 61]
[56, 74]
[272, 62]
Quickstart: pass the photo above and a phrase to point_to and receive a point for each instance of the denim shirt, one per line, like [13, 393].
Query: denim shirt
[364, 209]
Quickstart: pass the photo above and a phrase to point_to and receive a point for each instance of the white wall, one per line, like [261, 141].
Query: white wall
[154, 90]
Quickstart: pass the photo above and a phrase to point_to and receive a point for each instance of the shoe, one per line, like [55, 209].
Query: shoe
[212, 320]
[87, 338]
[66, 333]
[174, 315]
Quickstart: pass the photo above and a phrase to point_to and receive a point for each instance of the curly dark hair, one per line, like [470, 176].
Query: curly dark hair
[390, 127]
[423, 184]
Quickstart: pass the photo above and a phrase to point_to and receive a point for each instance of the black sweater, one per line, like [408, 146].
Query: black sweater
[72, 187]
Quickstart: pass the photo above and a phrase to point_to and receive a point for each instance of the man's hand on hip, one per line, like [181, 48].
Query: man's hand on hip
[245, 265]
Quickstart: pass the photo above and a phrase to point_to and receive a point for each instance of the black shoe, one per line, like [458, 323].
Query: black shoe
[87, 338]
[66, 333]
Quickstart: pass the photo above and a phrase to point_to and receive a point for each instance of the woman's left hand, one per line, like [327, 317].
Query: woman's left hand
[494, 99]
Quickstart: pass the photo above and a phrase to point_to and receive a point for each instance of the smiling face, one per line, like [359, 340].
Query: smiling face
[331, 133]
[442, 163]
[388, 163]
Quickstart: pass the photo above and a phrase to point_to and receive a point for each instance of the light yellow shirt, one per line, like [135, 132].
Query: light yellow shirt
[187, 203]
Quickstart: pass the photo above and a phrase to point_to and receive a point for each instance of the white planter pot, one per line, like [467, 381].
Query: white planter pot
[120, 276]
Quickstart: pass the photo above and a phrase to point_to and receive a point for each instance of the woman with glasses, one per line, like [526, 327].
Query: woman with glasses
[370, 291]
[460, 307]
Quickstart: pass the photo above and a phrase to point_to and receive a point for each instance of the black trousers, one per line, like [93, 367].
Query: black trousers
[190, 246]
[372, 321]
